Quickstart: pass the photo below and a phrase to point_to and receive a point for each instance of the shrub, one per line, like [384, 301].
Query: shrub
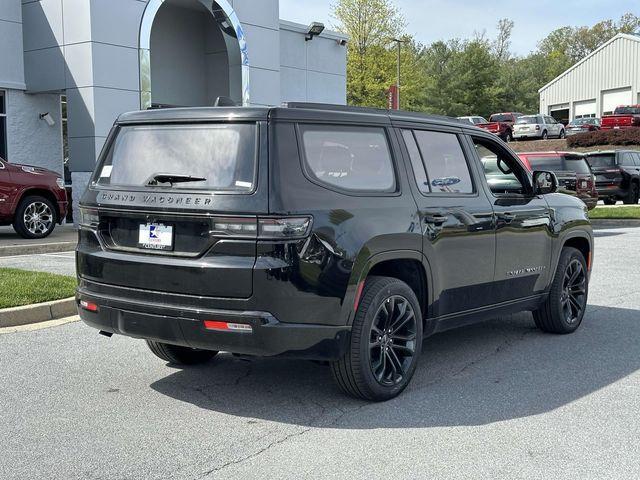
[627, 136]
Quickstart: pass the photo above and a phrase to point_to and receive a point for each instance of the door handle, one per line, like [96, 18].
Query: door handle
[507, 217]
[436, 219]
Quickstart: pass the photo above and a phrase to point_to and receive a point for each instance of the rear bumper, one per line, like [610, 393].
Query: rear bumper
[185, 327]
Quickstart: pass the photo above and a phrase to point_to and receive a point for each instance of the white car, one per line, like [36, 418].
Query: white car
[538, 126]
[473, 120]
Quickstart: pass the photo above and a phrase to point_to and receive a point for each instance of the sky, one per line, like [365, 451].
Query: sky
[432, 20]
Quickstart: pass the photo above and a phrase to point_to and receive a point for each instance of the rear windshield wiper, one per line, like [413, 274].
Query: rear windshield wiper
[171, 178]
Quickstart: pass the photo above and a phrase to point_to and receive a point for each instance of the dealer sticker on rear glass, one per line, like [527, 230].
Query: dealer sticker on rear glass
[155, 236]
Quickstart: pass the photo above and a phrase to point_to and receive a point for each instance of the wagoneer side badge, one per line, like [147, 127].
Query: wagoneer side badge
[154, 199]
[525, 271]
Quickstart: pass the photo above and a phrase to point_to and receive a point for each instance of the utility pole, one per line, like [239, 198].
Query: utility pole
[399, 43]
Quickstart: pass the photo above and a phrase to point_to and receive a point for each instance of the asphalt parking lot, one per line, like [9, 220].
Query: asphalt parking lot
[495, 400]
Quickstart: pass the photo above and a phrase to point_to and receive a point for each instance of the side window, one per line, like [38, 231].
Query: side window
[637, 158]
[357, 159]
[3, 125]
[416, 161]
[503, 173]
[446, 165]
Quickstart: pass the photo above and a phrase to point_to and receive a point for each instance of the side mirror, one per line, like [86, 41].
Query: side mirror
[544, 182]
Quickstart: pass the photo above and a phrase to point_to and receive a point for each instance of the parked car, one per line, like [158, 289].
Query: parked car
[623, 117]
[32, 199]
[617, 175]
[501, 124]
[582, 125]
[537, 126]
[323, 232]
[573, 172]
[473, 120]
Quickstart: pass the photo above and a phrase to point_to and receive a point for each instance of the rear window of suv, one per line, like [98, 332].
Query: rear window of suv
[349, 158]
[560, 164]
[607, 160]
[223, 155]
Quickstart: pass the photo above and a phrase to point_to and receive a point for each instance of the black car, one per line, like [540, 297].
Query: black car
[617, 175]
[320, 232]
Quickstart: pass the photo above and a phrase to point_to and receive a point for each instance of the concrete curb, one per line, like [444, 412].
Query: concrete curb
[40, 312]
[35, 249]
[615, 223]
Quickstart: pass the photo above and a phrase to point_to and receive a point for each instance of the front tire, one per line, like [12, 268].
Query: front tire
[562, 135]
[508, 137]
[180, 355]
[35, 217]
[386, 342]
[610, 201]
[545, 135]
[563, 310]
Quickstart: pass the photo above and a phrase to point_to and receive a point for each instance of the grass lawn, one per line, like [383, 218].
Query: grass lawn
[615, 213]
[20, 287]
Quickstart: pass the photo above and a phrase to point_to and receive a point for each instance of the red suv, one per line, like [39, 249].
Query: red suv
[501, 124]
[33, 199]
[574, 173]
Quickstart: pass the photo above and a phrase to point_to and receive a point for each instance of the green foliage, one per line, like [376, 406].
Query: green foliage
[457, 77]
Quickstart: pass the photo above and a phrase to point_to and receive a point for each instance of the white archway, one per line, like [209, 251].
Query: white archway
[232, 33]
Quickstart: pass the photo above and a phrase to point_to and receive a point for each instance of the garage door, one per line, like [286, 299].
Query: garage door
[614, 98]
[586, 109]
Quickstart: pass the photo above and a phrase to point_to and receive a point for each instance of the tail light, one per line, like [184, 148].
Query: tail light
[227, 326]
[89, 306]
[262, 228]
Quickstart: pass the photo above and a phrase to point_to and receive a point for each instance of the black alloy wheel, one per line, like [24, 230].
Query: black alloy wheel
[565, 306]
[574, 291]
[392, 343]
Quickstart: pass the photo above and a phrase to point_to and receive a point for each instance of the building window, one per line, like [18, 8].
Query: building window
[3, 125]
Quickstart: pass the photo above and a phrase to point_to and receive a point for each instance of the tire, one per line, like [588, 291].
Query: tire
[180, 355]
[632, 195]
[36, 217]
[562, 135]
[610, 201]
[382, 358]
[508, 137]
[545, 135]
[563, 311]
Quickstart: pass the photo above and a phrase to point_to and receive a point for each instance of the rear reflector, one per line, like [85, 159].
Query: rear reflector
[90, 306]
[227, 327]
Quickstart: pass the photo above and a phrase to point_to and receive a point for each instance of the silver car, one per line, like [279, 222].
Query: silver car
[473, 120]
[537, 126]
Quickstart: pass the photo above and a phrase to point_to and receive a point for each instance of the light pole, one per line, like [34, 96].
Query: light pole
[399, 43]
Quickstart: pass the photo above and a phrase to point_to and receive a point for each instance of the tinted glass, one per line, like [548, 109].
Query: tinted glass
[637, 159]
[559, 164]
[224, 155]
[3, 127]
[498, 169]
[500, 118]
[416, 161]
[528, 121]
[606, 160]
[350, 158]
[627, 111]
[444, 159]
[628, 160]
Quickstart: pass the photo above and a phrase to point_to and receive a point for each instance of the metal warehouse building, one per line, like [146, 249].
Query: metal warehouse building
[595, 86]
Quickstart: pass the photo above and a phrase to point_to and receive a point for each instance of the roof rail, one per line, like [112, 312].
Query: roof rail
[334, 107]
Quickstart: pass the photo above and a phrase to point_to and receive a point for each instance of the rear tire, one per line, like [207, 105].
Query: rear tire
[35, 217]
[562, 135]
[610, 201]
[180, 355]
[386, 342]
[508, 137]
[545, 135]
[563, 310]
[632, 195]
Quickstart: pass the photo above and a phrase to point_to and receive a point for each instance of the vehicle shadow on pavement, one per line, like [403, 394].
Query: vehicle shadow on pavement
[494, 371]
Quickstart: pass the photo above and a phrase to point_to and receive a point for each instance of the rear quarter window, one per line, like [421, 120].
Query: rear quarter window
[353, 159]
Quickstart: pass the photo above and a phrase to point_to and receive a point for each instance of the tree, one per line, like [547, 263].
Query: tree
[370, 25]
[502, 43]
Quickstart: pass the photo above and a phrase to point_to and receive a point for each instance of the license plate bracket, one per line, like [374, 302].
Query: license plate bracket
[156, 236]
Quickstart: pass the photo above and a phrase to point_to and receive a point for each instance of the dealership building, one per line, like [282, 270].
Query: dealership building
[595, 86]
[70, 67]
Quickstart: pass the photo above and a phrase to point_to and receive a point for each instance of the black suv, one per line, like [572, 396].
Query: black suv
[617, 175]
[321, 232]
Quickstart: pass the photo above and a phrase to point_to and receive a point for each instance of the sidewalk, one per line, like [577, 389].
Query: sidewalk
[63, 239]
